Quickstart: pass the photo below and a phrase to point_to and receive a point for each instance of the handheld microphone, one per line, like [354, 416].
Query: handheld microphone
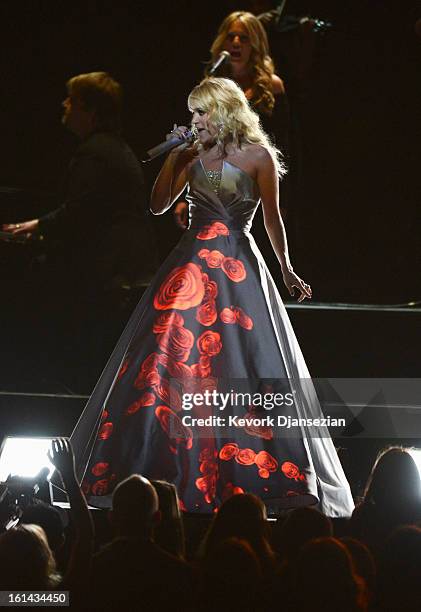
[223, 57]
[167, 145]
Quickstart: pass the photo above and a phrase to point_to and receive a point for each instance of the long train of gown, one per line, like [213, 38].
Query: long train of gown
[211, 313]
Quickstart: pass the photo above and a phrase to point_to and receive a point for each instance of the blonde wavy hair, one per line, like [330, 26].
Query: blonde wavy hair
[231, 114]
[260, 64]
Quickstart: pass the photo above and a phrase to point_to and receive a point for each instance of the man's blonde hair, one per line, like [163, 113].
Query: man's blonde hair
[98, 92]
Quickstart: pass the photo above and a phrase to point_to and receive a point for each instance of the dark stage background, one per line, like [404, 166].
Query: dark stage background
[356, 236]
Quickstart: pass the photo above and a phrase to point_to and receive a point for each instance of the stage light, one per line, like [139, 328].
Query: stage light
[25, 457]
[416, 456]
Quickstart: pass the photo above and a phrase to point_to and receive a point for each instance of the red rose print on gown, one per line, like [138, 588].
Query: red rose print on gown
[209, 343]
[203, 253]
[290, 470]
[230, 490]
[234, 269]
[173, 427]
[169, 395]
[266, 463]
[245, 456]
[243, 319]
[259, 431]
[228, 316]
[100, 468]
[165, 319]
[100, 487]
[203, 368]
[104, 415]
[123, 369]
[176, 369]
[105, 431]
[207, 484]
[208, 454]
[211, 288]
[176, 342]
[206, 233]
[206, 313]
[182, 289]
[148, 375]
[235, 314]
[228, 451]
[220, 228]
[217, 228]
[215, 259]
[147, 399]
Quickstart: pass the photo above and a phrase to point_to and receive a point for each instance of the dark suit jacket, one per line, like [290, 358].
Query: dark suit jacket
[100, 234]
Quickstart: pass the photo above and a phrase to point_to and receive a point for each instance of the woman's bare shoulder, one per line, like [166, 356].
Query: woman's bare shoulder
[278, 86]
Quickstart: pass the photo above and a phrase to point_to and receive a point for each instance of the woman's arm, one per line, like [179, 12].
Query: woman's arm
[172, 179]
[267, 180]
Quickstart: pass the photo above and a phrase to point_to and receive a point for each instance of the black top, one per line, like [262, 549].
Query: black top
[98, 233]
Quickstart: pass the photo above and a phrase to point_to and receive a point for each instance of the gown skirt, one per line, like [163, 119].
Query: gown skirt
[188, 394]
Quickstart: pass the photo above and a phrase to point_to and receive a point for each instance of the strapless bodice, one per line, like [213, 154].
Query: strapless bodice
[234, 203]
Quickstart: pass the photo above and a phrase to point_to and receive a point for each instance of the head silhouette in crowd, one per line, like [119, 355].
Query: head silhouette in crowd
[48, 517]
[300, 526]
[241, 516]
[394, 478]
[26, 560]
[325, 579]
[135, 509]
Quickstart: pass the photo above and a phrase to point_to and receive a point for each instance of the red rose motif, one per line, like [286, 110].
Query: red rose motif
[215, 259]
[100, 487]
[245, 456]
[230, 490]
[104, 415]
[178, 370]
[203, 368]
[208, 454]
[165, 319]
[206, 233]
[169, 395]
[227, 315]
[148, 375]
[220, 228]
[265, 461]
[152, 378]
[182, 289]
[182, 506]
[105, 431]
[206, 313]
[209, 383]
[243, 319]
[259, 431]
[209, 343]
[123, 369]
[208, 467]
[228, 451]
[100, 468]
[234, 269]
[290, 470]
[203, 253]
[176, 342]
[173, 426]
[150, 362]
[211, 291]
[207, 484]
[264, 473]
[147, 399]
